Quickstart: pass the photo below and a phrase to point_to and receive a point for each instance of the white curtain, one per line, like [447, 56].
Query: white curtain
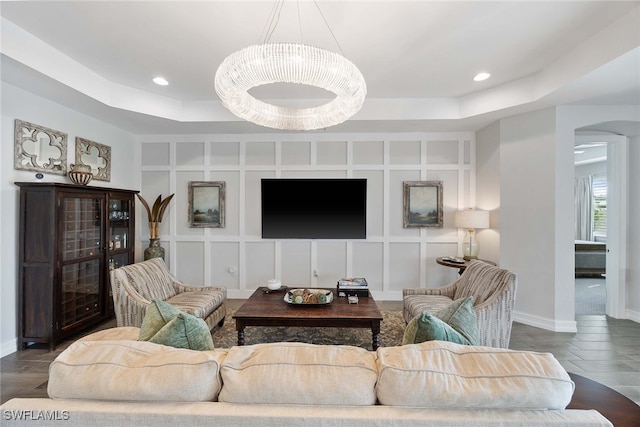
[584, 208]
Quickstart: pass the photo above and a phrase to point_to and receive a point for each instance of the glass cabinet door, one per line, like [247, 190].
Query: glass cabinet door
[119, 214]
[80, 291]
[81, 259]
[120, 241]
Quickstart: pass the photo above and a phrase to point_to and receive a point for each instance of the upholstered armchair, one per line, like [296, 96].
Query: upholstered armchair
[136, 285]
[493, 290]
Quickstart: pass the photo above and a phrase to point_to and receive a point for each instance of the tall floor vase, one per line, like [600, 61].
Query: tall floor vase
[154, 250]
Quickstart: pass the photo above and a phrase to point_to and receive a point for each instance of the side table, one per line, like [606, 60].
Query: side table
[461, 266]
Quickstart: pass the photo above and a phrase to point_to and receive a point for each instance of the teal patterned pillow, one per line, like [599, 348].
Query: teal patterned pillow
[164, 324]
[461, 317]
[455, 323]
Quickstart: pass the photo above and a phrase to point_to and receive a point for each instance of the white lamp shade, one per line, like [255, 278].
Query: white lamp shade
[471, 219]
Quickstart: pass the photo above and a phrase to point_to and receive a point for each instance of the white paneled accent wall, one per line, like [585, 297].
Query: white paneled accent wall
[236, 256]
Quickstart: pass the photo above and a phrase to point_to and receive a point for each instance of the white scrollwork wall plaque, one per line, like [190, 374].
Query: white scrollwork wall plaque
[96, 155]
[40, 149]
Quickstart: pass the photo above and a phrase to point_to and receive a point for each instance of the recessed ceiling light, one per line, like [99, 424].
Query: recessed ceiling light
[161, 81]
[481, 76]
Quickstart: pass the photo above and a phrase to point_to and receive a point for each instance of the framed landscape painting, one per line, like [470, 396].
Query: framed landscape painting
[422, 204]
[206, 204]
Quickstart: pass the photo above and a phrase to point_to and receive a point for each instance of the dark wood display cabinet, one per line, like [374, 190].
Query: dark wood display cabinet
[70, 237]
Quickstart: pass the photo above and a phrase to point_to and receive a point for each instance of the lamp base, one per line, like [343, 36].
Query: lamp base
[470, 247]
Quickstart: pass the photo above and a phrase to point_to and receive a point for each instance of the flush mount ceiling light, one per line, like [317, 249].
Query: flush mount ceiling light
[481, 76]
[298, 63]
[160, 81]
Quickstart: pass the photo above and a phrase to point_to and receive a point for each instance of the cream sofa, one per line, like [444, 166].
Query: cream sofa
[108, 378]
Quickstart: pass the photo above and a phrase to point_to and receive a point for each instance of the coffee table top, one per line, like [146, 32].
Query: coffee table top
[617, 408]
[271, 305]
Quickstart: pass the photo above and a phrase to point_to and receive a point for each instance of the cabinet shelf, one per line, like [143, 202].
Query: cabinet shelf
[118, 251]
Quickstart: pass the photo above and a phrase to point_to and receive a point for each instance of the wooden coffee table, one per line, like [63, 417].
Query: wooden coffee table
[617, 408]
[269, 309]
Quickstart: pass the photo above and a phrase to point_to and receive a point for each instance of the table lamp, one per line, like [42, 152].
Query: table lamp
[470, 219]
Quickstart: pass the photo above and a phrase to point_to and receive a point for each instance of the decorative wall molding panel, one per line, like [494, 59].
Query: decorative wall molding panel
[391, 257]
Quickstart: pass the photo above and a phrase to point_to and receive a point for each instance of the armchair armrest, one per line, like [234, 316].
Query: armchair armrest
[134, 297]
[129, 305]
[448, 291]
[181, 287]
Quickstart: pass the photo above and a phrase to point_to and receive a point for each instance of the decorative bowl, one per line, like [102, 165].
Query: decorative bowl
[309, 297]
[274, 284]
[80, 174]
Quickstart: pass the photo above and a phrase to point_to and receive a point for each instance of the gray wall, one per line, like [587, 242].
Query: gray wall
[20, 104]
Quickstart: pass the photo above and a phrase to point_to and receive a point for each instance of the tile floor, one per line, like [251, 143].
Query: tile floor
[604, 349]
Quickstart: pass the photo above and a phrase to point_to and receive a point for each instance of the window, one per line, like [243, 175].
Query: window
[600, 207]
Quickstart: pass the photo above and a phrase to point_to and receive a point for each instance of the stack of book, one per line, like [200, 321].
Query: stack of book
[357, 286]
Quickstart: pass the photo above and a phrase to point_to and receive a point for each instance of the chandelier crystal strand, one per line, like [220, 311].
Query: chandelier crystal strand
[290, 63]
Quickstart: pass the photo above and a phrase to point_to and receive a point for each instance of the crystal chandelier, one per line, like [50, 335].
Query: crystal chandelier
[269, 63]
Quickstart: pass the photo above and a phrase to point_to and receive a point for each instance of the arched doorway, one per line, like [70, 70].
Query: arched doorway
[616, 135]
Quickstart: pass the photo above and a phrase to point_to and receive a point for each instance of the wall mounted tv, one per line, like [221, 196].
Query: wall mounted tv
[312, 208]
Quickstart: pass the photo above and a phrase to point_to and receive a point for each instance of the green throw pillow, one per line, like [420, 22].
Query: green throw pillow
[455, 323]
[165, 324]
[157, 315]
[185, 331]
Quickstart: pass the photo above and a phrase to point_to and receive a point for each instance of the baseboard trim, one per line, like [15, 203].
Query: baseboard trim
[633, 315]
[542, 322]
[8, 347]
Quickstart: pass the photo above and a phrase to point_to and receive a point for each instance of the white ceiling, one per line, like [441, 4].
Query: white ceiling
[417, 57]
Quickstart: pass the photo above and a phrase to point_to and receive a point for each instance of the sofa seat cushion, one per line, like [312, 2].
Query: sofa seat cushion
[297, 373]
[438, 374]
[135, 371]
[417, 304]
[199, 303]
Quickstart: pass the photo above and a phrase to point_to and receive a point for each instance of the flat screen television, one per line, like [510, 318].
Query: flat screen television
[313, 208]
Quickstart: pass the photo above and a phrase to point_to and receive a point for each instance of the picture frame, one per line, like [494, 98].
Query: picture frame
[206, 204]
[422, 204]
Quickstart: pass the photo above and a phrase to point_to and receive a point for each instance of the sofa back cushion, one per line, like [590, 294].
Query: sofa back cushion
[135, 370]
[297, 373]
[438, 374]
[482, 281]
